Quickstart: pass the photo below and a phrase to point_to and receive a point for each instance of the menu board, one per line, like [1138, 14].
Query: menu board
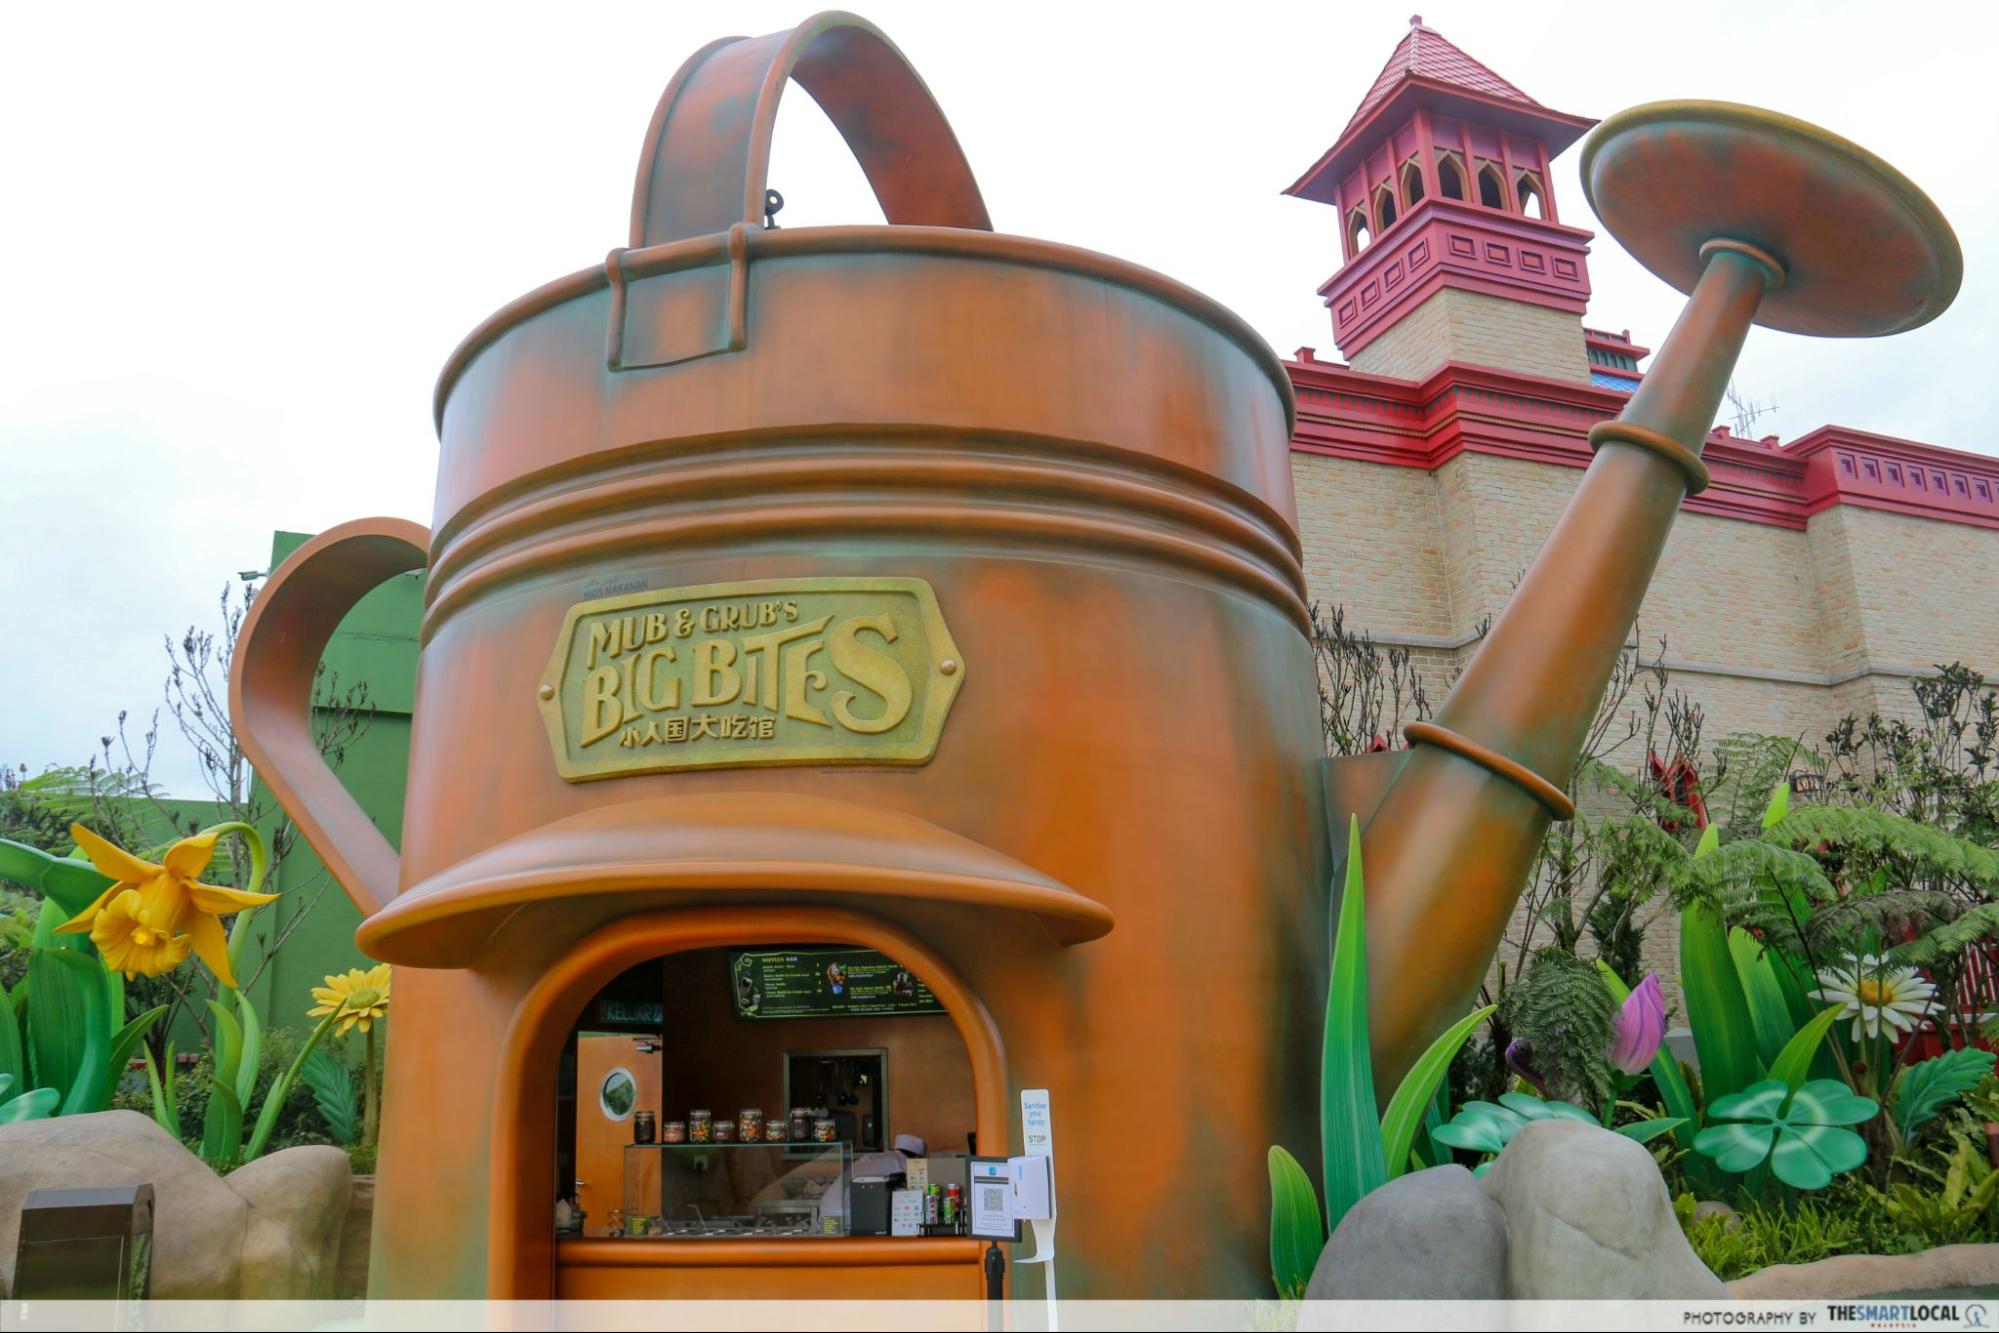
[824, 983]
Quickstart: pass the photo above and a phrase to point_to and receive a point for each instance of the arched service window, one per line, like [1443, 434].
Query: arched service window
[1412, 182]
[1491, 190]
[1384, 208]
[1532, 202]
[1357, 232]
[1450, 176]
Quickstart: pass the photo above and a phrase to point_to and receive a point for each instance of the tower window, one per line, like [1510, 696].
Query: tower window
[1532, 202]
[1412, 182]
[1357, 234]
[1491, 191]
[1384, 208]
[1450, 177]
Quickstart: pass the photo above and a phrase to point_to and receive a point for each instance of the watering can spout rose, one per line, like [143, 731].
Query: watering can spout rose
[939, 591]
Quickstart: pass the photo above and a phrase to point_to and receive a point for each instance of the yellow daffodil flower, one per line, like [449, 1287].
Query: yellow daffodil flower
[171, 902]
[365, 996]
[131, 946]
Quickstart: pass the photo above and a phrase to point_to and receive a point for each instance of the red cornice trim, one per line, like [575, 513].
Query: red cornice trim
[1460, 408]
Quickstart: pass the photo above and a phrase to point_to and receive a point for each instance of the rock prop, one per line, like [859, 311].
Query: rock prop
[1847, 1276]
[1568, 1211]
[1588, 1218]
[270, 1231]
[1428, 1235]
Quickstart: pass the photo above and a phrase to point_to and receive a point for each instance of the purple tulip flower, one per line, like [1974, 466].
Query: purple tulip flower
[1640, 1028]
[1518, 1053]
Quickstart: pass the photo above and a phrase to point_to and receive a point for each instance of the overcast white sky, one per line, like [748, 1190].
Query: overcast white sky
[236, 244]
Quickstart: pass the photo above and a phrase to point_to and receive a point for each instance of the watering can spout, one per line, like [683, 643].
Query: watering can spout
[1449, 844]
[1447, 849]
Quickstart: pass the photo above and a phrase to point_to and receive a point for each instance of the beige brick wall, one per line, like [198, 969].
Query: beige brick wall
[1906, 592]
[1765, 626]
[1371, 542]
[1481, 330]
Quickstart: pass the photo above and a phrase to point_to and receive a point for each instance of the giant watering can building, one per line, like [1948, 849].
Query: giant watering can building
[921, 592]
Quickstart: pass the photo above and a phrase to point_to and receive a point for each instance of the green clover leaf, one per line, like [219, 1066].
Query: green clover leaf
[1799, 1133]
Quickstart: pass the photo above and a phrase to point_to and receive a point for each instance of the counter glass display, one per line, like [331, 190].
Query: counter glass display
[697, 1191]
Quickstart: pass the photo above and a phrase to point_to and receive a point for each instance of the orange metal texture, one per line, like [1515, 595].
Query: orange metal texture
[270, 691]
[656, 852]
[707, 151]
[1865, 252]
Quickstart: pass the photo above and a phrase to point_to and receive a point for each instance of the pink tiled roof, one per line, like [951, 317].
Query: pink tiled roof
[1424, 54]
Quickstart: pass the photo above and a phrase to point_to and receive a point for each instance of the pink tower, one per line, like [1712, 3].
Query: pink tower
[1452, 249]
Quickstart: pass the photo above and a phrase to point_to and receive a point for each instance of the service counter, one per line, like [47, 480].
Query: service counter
[832, 1267]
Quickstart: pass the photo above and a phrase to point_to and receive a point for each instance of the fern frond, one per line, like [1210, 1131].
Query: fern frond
[1563, 1009]
[1944, 942]
[1884, 836]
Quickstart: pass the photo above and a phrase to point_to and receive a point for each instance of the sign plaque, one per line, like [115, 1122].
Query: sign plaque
[727, 675]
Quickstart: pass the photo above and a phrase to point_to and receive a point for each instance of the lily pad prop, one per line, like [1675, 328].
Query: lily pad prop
[1802, 1134]
[1488, 1128]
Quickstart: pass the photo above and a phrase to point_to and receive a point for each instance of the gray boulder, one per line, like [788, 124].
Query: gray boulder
[271, 1231]
[1428, 1235]
[1587, 1217]
[1846, 1276]
[298, 1210]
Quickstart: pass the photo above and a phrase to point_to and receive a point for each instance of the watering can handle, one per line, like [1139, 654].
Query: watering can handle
[706, 160]
[270, 691]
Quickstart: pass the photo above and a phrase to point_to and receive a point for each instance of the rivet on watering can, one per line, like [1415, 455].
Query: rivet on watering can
[949, 666]
[546, 691]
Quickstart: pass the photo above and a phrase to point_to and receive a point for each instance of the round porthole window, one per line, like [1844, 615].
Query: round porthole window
[618, 1094]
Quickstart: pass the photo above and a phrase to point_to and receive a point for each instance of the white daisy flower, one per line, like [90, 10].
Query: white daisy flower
[1873, 993]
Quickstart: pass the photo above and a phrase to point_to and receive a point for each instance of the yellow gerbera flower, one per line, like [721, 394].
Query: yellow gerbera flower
[172, 900]
[131, 946]
[360, 997]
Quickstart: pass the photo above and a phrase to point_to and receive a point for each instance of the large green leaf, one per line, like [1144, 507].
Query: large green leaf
[333, 1091]
[1768, 1016]
[69, 1034]
[222, 1128]
[280, 1089]
[1718, 1013]
[1296, 1233]
[1927, 1086]
[122, 1044]
[1644, 1131]
[165, 1114]
[1349, 1133]
[1796, 982]
[1416, 1095]
[36, 1105]
[70, 884]
[253, 1049]
[228, 1046]
[13, 1055]
[1479, 1127]
[1797, 1061]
